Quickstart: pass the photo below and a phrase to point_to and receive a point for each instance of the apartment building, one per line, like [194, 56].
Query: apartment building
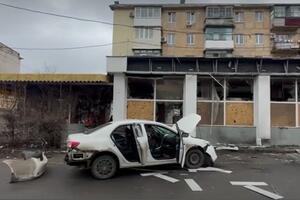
[9, 60]
[237, 66]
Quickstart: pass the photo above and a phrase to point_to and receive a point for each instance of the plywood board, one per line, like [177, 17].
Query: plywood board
[239, 114]
[205, 109]
[140, 110]
[283, 115]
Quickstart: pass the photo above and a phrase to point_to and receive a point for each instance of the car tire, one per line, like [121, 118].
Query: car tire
[208, 161]
[194, 159]
[104, 167]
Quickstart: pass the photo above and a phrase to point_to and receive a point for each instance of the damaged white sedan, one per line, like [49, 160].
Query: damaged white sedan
[138, 143]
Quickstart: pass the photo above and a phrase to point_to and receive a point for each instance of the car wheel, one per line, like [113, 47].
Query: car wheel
[208, 161]
[194, 159]
[104, 167]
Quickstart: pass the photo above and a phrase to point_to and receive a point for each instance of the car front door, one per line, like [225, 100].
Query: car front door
[162, 143]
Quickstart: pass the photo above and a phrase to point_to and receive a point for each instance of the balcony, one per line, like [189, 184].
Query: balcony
[286, 47]
[286, 18]
[219, 44]
[224, 22]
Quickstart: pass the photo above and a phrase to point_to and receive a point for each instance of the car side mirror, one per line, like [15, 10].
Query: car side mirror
[185, 134]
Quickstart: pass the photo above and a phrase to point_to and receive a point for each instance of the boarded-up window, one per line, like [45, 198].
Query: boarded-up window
[283, 115]
[140, 88]
[168, 112]
[169, 89]
[239, 114]
[211, 113]
[140, 110]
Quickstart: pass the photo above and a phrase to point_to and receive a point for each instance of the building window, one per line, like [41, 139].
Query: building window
[235, 109]
[283, 102]
[190, 39]
[144, 33]
[259, 16]
[219, 12]
[172, 17]
[293, 11]
[239, 39]
[259, 39]
[147, 12]
[190, 18]
[239, 17]
[279, 11]
[171, 38]
[155, 99]
[218, 33]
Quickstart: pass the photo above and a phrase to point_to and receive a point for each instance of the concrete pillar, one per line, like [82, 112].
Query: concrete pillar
[190, 96]
[262, 108]
[119, 97]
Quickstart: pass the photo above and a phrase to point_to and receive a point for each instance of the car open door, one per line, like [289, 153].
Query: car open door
[141, 142]
[186, 124]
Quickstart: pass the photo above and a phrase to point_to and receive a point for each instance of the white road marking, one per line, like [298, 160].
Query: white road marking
[243, 183]
[210, 169]
[193, 185]
[263, 192]
[167, 178]
[153, 173]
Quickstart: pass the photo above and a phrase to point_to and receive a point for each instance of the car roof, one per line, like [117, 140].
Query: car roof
[130, 121]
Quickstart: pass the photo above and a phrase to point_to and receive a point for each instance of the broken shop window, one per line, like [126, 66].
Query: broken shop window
[169, 89]
[168, 112]
[208, 89]
[283, 90]
[140, 88]
[239, 89]
[211, 113]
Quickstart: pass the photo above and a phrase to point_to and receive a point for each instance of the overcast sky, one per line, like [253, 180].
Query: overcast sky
[25, 29]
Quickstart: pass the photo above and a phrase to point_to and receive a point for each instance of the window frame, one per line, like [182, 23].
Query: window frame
[171, 17]
[225, 101]
[259, 16]
[190, 39]
[239, 17]
[170, 37]
[239, 39]
[190, 17]
[259, 39]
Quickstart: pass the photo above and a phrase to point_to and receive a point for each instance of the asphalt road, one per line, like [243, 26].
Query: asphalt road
[280, 171]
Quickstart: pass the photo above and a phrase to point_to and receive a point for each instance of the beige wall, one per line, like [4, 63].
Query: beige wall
[250, 26]
[9, 60]
[180, 29]
[122, 34]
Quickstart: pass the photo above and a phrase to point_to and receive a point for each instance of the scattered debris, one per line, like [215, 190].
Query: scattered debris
[183, 174]
[1, 147]
[193, 185]
[210, 169]
[297, 150]
[252, 186]
[229, 147]
[27, 168]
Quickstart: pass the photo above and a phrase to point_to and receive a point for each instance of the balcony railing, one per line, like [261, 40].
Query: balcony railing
[279, 47]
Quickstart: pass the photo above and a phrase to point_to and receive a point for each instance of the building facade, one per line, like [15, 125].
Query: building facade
[235, 65]
[9, 60]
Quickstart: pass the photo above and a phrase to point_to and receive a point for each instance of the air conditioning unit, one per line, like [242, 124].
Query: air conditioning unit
[131, 15]
[163, 40]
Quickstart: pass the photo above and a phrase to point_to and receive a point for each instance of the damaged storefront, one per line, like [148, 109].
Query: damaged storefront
[52, 106]
[240, 100]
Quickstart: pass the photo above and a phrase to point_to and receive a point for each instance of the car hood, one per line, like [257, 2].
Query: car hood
[76, 136]
[188, 123]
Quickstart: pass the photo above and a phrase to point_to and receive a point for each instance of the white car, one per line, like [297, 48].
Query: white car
[138, 143]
